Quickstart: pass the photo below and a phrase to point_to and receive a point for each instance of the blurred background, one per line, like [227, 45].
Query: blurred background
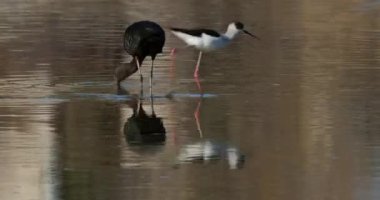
[293, 116]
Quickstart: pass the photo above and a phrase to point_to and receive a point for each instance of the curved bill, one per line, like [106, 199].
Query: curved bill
[254, 36]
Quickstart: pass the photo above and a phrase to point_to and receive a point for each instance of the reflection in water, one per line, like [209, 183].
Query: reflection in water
[304, 101]
[207, 151]
[142, 128]
[199, 86]
[196, 116]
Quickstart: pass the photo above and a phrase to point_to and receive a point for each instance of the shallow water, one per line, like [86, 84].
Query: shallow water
[292, 116]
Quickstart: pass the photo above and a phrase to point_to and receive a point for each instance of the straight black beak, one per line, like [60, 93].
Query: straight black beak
[248, 33]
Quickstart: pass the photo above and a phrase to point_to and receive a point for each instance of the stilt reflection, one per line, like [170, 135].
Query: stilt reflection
[207, 150]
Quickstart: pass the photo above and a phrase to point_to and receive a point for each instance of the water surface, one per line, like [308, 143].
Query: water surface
[292, 116]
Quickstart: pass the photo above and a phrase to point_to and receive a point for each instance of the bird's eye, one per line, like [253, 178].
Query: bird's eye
[239, 25]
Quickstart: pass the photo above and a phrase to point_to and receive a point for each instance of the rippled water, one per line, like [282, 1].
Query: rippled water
[292, 116]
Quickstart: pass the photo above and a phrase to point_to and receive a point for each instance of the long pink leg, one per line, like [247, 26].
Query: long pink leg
[172, 66]
[172, 52]
[197, 66]
[196, 79]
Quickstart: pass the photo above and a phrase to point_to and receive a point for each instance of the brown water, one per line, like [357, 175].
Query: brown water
[293, 116]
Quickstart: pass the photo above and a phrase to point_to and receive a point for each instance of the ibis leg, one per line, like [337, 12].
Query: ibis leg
[152, 105]
[118, 84]
[196, 72]
[151, 79]
[139, 106]
[118, 88]
[138, 67]
[141, 77]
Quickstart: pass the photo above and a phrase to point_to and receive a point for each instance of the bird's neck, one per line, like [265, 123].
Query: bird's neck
[124, 70]
[139, 58]
[132, 64]
[231, 33]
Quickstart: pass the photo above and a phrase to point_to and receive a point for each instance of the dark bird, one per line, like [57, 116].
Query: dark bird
[207, 40]
[141, 39]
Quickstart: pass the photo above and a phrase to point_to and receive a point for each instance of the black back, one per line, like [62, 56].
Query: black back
[144, 38]
[197, 32]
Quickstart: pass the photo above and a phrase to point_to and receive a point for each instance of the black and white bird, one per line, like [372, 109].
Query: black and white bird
[141, 39]
[207, 40]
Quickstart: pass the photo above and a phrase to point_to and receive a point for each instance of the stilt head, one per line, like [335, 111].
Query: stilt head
[237, 27]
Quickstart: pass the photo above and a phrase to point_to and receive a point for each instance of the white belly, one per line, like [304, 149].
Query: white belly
[210, 43]
[205, 42]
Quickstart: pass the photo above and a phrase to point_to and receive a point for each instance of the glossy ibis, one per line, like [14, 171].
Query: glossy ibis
[141, 39]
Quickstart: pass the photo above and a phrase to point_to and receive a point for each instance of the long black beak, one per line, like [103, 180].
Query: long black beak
[248, 33]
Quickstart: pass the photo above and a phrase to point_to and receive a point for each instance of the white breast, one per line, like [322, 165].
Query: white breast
[210, 43]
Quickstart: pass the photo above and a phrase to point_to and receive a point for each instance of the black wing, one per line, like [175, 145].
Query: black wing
[138, 34]
[197, 32]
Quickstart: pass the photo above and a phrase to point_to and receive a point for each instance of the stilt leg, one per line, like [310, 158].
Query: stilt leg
[172, 52]
[196, 79]
[197, 66]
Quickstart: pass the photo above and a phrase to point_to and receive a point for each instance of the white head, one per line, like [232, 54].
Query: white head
[235, 28]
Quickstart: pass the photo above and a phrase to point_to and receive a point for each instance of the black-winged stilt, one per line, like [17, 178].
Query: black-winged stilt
[207, 40]
[141, 39]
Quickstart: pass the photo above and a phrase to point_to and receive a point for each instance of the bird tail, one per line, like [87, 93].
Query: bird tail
[176, 29]
[169, 27]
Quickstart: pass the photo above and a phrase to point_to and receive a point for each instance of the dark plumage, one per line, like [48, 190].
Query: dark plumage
[124, 70]
[144, 38]
[141, 39]
[197, 32]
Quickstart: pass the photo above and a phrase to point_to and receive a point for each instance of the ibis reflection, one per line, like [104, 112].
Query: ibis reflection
[144, 128]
